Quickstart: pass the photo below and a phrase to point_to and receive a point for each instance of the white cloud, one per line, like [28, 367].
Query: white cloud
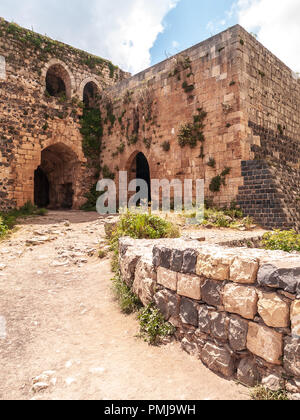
[122, 31]
[277, 24]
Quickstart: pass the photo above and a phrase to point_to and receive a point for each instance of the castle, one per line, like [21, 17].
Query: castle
[226, 111]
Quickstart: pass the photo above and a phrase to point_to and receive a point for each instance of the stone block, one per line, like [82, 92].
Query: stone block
[219, 325]
[247, 372]
[274, 311]
[218, 359]
[244, 270]
[168, 303]
[128, 265]
[189, 261]
[190, 348]
[238, 331]
[240, 300]
[292, 356]
[295, 318]
[265, 343]
[144, 284]
[189, 286]
[176, 261]
[214, 264]
[165, 257]
[211, 292]
[273, 382]
[281, 274]
[189, 312]
[204, 320]
[156, 257]
[167, 278]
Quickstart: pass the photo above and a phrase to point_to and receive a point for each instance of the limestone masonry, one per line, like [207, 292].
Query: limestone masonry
[226, 110]
[237, 309]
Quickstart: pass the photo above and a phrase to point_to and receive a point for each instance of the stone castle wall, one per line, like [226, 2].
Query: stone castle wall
[32, 120]
[149, 110]
[270, 101]
[237, 309]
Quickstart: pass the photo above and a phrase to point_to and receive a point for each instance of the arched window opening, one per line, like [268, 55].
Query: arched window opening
[91, 95]
[58, 83]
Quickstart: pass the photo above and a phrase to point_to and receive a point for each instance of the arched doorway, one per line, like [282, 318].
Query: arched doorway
[54, 179]
[91, 95]
[140, 169]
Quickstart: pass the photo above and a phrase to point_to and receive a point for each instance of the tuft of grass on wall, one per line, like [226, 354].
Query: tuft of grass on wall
[153, 326]
[260, 393]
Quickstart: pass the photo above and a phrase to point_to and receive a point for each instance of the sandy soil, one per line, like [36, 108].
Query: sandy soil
[61, 317]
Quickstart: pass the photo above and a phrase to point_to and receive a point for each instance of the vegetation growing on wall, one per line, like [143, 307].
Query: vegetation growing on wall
[92, 132]
[219, 180]
[192, 133]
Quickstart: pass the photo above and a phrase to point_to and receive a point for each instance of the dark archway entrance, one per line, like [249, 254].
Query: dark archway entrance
[140, 169]
[91, 95]
[41, 188]
[55, 178]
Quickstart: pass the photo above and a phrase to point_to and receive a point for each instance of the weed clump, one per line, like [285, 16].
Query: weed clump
[153, 326]
[287, 241]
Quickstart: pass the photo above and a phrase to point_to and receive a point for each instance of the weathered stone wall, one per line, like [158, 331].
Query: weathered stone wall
[237, 309]
[270, 103]
[149, 109]
[32, 120]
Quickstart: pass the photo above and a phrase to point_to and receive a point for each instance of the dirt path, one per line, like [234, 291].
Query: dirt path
[61, 317]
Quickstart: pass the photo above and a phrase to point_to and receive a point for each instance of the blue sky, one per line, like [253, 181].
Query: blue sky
[191, 22]
[134, 34]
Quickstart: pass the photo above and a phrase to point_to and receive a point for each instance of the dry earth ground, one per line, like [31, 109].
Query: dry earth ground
[61, 317]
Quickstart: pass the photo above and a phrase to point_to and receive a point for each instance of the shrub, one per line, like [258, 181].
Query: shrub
[128, 301]
[288, 241]
[153, 326]
[260, 393]
[3, 228]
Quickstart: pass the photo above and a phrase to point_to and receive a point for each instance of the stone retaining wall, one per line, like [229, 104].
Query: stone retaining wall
[237, 309]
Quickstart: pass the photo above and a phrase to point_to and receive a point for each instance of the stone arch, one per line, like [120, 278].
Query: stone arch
[138, 167]
[55, 178]
[88, 91]
[58, 79]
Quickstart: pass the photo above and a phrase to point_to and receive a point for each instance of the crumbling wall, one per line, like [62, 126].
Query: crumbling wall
[236, 309]
[33, 120]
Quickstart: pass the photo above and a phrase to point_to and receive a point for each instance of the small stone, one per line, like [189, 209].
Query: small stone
[295, 318]
[238, 331]
[274, 311]
[167, 278]
[211, 292]
[189, 286]
[292, 356]
[247, 372]
[2, 267]
[218, 359]
[244, 270]
[293, 386]
[190, 348]
[265, 343]
[240, 300]
[273, 382]
[189, 312]
[294, 397]
[70, 381]
[40, 386]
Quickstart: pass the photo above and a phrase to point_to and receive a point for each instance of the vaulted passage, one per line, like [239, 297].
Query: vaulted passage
[140, 170]
[54, 179]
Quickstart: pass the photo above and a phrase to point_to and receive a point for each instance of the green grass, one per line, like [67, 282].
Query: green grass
[287, 241]
[128, 301]
[8, 220]
[260, 393]
[227, 218]
[153, 327]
